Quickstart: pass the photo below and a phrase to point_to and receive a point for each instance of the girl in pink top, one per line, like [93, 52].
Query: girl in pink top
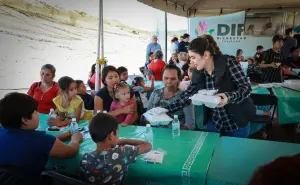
[122, 99]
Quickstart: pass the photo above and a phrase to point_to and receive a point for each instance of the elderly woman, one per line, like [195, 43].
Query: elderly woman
[167, 95]
[157, 65]
[105, 95]
[45, 90]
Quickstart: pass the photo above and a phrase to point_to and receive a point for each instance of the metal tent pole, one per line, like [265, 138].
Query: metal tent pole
[166, 37]
[100, 50]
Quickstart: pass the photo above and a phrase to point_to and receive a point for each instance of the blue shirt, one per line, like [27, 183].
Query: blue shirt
[109, 166]
[152, 47]
[27, 150]
[183, 47]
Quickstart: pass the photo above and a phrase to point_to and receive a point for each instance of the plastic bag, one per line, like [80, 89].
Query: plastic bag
[155, 156]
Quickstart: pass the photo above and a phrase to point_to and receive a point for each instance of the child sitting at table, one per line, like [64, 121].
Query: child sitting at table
[87, 98]
[22, 146]
[138, 84]
[254, 71]
[108, 164]
[122, 99]
[68, 103]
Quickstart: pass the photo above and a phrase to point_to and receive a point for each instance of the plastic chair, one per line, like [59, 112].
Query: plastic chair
[55, 178]
[12, 176]
[264, 100]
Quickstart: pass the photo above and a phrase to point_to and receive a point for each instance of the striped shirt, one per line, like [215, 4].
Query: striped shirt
[272, 74]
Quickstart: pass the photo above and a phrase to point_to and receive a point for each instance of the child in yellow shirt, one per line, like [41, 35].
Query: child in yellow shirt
[69, 105]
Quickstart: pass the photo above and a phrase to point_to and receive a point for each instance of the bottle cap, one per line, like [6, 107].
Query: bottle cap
[105, 112]
[175, 116]
[51, 110]
[73, 119]
[98, 111]
[148, 125]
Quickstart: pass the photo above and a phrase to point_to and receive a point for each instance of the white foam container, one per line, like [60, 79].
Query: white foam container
[207, 100]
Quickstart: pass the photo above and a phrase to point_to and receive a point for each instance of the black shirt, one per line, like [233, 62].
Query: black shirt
[259, 57]
[185, 69]
[88, 101]
[183, 47]
[270, 75]
[293, 63]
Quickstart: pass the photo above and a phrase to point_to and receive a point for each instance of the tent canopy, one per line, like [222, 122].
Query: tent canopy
[197, 8]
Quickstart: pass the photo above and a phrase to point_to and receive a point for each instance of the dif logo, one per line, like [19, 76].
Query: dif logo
[230, 30]
[232, 33]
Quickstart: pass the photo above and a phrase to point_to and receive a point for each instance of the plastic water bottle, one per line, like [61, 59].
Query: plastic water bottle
[52, 115]
[175, 126]
[74, 126]
[149, 134]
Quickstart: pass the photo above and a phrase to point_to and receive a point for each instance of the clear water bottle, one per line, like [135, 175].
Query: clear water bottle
[149, 134]
[175, 126]
[74, 126]
[52, 115]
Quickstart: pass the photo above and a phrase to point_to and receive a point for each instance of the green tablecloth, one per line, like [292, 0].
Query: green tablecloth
[288, 105]
[235, 159]
[186, 161]
[259, 90]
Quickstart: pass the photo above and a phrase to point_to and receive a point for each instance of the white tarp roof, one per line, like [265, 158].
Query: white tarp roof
[194, 8]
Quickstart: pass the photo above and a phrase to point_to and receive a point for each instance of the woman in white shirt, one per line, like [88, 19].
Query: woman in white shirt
[174, 45]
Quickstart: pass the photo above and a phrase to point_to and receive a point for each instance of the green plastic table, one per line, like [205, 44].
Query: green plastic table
[235, 159]
[186, 161]
[288, 105]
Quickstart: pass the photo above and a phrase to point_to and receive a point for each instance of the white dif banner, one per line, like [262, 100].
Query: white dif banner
[228, 31]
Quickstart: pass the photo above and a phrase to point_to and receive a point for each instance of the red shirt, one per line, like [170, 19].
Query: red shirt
[157, 67]
[44, 100]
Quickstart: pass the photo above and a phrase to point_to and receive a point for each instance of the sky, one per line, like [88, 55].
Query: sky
[129, 12]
